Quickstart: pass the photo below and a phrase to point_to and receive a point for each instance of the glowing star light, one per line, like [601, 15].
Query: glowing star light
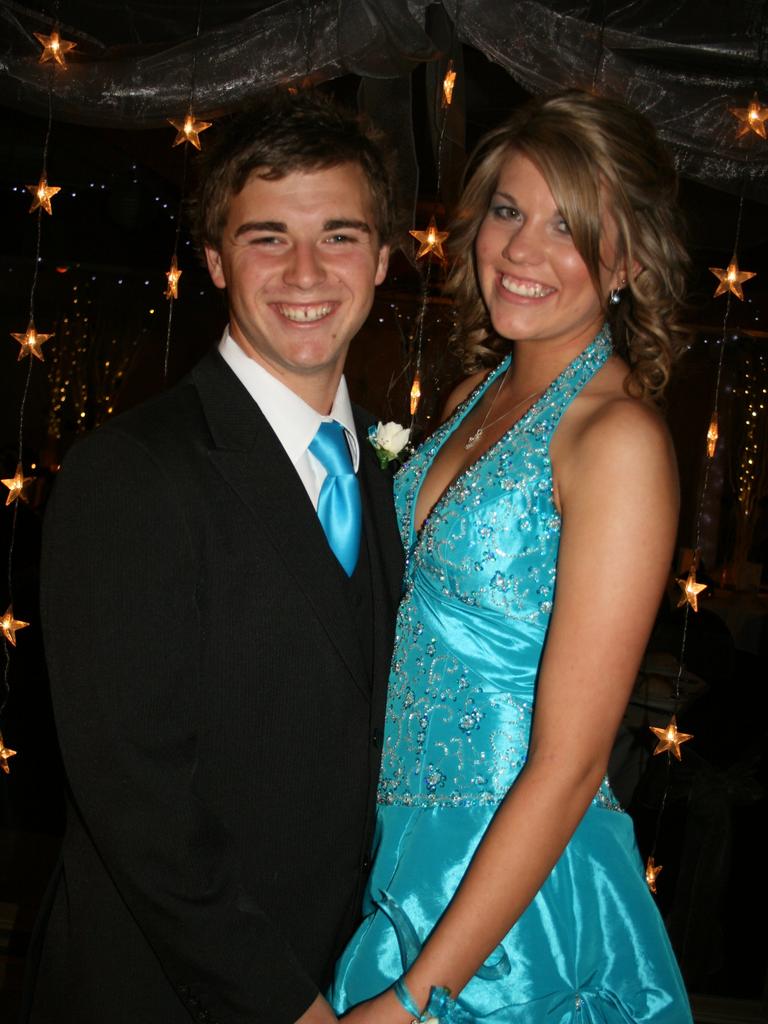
[652, 872]
[670, 739]
[54, 48]
[188, 130]
[5, 755]
[731, 279]
[173, 275]
[430, 241]
[415, 393]
[31, 342]
[691, 590]
[448, 83]
[11, 626]
[17, 485]
[752, 118]
[712, 436]
[42, 194]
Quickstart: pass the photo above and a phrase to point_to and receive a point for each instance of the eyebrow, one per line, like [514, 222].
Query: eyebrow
[261, 225]
[357, 225]
[280, 228]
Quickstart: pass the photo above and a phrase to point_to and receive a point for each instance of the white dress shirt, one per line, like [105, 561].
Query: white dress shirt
[294, 422]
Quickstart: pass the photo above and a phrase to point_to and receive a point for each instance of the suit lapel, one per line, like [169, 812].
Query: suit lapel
[386, 557]
[248, 455]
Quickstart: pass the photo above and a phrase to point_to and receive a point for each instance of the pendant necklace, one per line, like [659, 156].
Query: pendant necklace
[476, 435]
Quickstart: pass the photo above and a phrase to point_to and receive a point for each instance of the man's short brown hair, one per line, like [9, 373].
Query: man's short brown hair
[279, 135]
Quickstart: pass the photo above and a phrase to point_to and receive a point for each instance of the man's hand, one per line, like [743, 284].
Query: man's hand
[318, 1013]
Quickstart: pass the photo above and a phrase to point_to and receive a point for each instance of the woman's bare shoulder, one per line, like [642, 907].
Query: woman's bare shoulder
[609, 438]
[605, 417]
[623, 421]
[620, 445]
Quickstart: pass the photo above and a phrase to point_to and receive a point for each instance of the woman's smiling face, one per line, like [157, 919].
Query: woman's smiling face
[533, 280]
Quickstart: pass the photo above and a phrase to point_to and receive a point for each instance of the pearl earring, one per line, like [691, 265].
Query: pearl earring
[614, 295]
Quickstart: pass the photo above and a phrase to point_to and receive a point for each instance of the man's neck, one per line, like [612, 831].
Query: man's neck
[316, 387]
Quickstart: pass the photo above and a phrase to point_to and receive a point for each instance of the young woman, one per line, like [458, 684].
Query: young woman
[539, 522]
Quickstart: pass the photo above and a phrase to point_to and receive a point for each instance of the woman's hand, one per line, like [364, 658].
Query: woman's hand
[384, 1009]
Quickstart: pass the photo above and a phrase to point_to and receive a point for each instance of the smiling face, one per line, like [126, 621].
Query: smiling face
[532, 278]
[300, 259]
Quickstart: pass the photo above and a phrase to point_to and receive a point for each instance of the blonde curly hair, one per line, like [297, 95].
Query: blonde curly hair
[596, 155]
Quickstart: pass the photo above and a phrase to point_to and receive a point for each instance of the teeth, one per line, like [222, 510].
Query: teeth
[530, 290]
[305, 314]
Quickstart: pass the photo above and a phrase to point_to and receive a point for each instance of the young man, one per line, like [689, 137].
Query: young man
[220, 575]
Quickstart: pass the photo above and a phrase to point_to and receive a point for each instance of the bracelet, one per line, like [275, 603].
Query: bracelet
[406, 1000]
[404, 997]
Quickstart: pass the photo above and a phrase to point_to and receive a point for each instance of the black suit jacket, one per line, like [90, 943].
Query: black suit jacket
[219, 725]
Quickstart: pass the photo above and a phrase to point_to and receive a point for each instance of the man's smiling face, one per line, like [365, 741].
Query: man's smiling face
[300, 259]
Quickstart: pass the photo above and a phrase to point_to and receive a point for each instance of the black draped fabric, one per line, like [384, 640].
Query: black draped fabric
[684, 63]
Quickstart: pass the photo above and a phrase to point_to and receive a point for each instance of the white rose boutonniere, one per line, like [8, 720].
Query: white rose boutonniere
[389, 440]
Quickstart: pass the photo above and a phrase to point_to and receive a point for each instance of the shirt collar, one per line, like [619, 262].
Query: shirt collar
[294, 422]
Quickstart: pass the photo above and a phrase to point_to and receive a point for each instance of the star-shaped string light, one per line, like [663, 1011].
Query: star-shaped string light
[42, 194]
[431, 241]
[670, 739]
[17, 485]
[10, 626]
[752, 118]
[173, 275]
[712, 436]
[31, 342]
[652, 872]
[448, 83]
[690, 590]
[189, 130]
[415, 393]
[731, 279]
[5, 755]
[54, 48]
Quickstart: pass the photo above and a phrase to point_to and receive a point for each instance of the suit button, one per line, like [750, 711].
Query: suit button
[365, 867]
[376, 738]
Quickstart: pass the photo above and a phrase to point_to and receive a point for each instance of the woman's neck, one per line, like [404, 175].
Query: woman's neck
[535, 364]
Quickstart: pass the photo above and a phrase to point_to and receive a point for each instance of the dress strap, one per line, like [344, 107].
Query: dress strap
[544, 416]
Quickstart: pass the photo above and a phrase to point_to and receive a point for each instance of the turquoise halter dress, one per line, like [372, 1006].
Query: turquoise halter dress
[479, 585]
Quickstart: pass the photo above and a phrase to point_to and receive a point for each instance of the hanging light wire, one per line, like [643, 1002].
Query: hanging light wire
[182, 198]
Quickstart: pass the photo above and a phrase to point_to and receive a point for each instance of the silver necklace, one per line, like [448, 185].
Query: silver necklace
[475, 436]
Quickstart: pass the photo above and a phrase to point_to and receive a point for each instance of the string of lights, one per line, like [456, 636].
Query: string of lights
[731, 280]
[30, 343]
[432, 238]
[187, 131]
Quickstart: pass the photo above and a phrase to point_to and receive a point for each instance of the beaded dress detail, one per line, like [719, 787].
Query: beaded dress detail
[479, 586]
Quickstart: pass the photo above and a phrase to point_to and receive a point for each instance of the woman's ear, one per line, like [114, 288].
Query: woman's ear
[620, 276]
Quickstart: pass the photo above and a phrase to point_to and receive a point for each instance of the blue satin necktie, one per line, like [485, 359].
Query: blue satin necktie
[338, 506]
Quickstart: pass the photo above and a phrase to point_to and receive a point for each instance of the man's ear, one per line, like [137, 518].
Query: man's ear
[215, 268]
[383, 264]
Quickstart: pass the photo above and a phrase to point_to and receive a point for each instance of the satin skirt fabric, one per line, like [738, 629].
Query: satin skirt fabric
[590, 949]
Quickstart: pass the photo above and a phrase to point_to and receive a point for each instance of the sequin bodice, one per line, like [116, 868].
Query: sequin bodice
[479, 587]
